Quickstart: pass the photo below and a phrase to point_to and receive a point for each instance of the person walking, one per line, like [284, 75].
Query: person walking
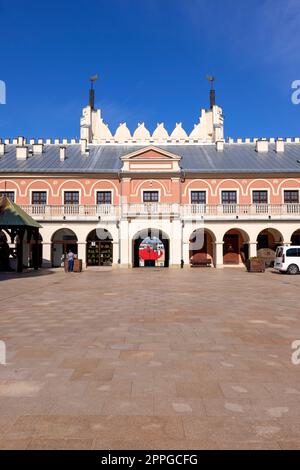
[70, 257]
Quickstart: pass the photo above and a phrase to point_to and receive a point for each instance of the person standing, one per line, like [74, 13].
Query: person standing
[70, 257]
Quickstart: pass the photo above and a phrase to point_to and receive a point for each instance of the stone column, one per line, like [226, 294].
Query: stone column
[175, 243]
[81, 246]
[186, 253]
[115, 253]
[252, 249]
[47, 255]
[218, 258]
[124, 243]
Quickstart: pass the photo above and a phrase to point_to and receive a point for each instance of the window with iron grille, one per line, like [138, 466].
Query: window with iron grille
[71, 197]
[150, 196]
[103, 197]
[291, 197]
[260, 197]
[39, 197]
[9, 194]
[229, 197]
[198, 197]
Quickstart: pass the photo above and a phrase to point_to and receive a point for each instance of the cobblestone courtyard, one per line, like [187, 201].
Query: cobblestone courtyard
[150, 359]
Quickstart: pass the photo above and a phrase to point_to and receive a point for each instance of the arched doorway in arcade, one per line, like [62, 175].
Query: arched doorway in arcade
[295, 238]
[151, 248]
[99, 248]
[63, 240]
[201, 246]
[235, 247]
[267, 242]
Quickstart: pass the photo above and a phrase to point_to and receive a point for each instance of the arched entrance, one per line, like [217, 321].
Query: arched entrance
[235, 247]
[63, 240]
[201, 246]
[99, 248]
[151, 248]
[267, 242]
[295, 238]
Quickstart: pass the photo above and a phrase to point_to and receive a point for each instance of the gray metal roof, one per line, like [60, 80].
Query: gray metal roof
[236, 158]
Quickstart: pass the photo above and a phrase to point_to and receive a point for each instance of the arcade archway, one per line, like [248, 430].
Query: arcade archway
[151, 248]
[295, 238]
[99, 248]
[63, 240]
[235, 247]
[201, 246]
[267, 242]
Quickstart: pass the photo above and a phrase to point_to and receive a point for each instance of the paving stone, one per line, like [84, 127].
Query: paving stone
[200, 359]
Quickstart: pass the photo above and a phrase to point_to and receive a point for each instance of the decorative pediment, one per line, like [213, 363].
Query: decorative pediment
[151, 159]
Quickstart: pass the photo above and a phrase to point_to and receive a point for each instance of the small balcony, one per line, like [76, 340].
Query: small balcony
[109, 212]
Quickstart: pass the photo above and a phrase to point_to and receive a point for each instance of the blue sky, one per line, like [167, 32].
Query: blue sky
[152, 57]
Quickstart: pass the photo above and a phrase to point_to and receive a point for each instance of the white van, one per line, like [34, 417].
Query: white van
[288, 259]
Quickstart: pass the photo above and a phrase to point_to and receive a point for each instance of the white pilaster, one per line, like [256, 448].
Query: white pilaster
[175, 243]
[115, 253]
[46, 255]
[186, 253]
[252, 249]
[218, 261]
[82, 253]
[124, 242]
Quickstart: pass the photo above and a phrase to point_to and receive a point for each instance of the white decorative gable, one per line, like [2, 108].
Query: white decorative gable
[141, 133]
[151, 159]
[179, 133]
[122, 133]
[160, 133]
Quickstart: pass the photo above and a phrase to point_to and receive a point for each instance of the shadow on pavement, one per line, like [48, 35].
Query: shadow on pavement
[6, 275]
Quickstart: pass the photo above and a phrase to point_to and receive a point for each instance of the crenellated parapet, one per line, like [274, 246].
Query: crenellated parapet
[209, 129]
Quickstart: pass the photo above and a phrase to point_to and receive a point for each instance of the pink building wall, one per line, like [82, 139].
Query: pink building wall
[169, 188]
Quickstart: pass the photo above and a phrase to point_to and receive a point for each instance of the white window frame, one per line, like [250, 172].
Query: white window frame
[151, 202]
[289, 189]
[10, 191]
[104, 191]
[69, 190]
[260, 189]
[198, 189]
[229, 189]
[38, 191]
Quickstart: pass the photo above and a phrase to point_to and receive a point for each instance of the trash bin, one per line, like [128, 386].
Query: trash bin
[77, 265]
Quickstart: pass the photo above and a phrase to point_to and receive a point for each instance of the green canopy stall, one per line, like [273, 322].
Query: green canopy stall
[16, 223]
